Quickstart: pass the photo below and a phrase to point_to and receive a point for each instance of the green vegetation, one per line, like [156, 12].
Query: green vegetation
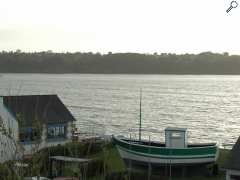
[8, 172]
[112, 159]
[119, 63]
[106, 164]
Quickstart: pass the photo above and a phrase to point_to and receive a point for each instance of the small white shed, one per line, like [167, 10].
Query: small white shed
[176, 137]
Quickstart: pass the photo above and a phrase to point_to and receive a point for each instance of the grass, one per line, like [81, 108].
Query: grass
[223, 155]
[115, 166]
[112, 159]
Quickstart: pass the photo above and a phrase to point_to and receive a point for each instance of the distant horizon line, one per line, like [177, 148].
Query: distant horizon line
[117, 52]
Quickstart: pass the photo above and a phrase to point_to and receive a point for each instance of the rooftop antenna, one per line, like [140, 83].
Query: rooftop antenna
[140, 116]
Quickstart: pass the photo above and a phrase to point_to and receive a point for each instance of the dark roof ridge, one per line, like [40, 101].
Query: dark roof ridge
[44, 108]
[28, 95]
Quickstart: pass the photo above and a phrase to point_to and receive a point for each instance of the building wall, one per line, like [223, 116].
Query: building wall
[8, 145]
[69, 130]
[31, 148]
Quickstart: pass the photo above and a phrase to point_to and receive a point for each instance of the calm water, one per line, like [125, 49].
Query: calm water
[209, 106]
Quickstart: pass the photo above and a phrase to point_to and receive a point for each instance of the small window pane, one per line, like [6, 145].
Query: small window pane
[176, 135]
[56, 131]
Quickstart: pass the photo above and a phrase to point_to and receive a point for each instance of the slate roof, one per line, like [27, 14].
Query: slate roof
[43, 108]
[233, 161]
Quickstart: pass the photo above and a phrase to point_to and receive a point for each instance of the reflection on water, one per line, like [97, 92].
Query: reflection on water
[209, 106]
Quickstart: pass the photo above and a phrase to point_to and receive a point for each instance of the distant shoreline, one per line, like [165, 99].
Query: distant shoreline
[206, 63]
[5, 73]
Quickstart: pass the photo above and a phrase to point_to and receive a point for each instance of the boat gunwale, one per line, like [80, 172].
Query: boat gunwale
[205, 147]
[170, 156]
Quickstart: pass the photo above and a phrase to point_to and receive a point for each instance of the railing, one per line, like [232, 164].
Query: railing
[227, 145]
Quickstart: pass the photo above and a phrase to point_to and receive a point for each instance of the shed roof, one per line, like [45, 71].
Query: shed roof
[43, 108]
[70, 159]
[233, 161]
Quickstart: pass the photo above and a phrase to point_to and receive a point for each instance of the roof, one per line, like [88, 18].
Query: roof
[65, 178]
[175, 129]
[234, 158]
[70, 159]
[43, 108]
[36, 178]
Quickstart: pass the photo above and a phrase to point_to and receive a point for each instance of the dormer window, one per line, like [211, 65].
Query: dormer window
[56, 131]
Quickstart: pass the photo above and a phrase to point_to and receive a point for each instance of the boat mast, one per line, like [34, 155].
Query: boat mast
[140, 116]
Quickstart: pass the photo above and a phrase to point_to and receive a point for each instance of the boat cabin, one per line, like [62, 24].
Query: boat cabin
[176, 137]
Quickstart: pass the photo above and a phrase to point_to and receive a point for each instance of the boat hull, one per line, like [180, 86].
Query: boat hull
[163, 155]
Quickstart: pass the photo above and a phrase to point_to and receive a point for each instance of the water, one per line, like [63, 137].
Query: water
[207, 105]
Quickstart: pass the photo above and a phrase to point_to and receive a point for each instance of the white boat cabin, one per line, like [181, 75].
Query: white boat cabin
[176, 137]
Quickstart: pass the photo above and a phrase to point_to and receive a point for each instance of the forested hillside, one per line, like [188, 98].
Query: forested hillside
[119, 63]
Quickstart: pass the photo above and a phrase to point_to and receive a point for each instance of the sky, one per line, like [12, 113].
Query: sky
[142, 26]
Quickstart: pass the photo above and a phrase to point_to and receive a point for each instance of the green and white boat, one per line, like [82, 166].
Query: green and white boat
[175, 151]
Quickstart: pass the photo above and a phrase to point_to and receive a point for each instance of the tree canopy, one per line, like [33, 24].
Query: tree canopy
[119, 63]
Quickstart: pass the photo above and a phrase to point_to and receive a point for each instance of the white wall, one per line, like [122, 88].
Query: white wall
[8, 147]
[69, 130]
[34, 147]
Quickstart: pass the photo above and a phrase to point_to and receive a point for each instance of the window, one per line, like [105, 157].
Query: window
[29, 134]
[176, 135]
[56, 131]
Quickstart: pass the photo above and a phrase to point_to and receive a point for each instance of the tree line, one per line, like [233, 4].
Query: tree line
[119, 63]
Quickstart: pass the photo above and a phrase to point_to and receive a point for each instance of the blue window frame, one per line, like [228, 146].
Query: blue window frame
[56, 131]
[29, 134]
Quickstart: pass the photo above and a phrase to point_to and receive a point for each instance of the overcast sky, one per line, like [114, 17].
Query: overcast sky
[145, 26]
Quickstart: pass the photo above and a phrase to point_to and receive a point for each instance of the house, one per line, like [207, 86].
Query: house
[232, 164]
[8, 135]
[36, 121]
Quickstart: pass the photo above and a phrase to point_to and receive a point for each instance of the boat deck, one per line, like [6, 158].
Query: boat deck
[161, 144]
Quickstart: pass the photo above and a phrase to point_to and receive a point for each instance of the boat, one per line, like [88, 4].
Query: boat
[174, 151]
